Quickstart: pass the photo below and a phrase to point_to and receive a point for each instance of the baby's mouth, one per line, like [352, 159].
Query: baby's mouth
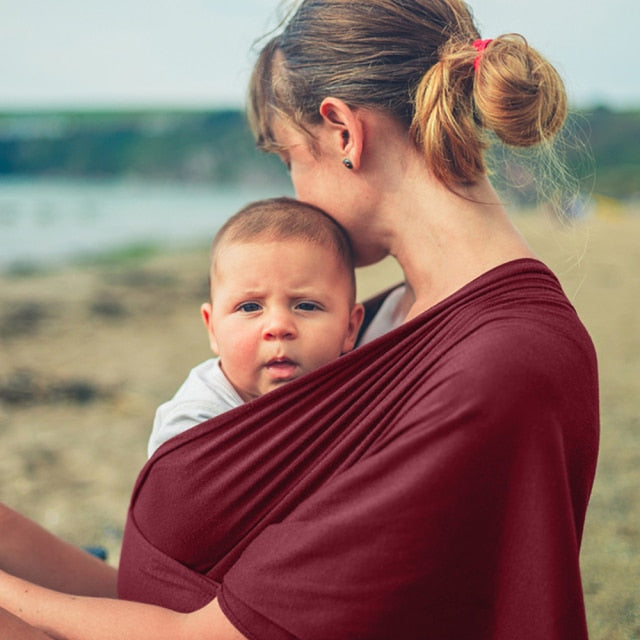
[282, 368]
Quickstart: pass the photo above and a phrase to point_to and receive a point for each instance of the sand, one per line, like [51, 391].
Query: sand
[87, 352]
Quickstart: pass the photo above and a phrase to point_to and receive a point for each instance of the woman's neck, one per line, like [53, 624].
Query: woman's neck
[443, 240]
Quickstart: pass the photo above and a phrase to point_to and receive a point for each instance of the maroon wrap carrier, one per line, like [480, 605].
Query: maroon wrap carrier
[430, 484]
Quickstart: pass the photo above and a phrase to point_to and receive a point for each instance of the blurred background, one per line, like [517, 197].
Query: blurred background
[124, 146]
[115, 115]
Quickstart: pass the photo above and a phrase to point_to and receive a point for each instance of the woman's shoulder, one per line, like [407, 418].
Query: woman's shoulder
[513, 333]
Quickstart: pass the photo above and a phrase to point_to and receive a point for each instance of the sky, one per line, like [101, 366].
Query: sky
[198, 53]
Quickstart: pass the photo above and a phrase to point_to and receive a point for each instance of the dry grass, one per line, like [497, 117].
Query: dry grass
[118, 339]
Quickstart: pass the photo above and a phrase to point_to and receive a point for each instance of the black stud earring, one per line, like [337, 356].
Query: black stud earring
[347, 163]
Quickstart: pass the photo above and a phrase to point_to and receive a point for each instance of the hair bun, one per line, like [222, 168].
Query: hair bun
[518, 94]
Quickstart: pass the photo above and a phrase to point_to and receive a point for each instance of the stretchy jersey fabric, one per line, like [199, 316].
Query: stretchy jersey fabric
[432, 483]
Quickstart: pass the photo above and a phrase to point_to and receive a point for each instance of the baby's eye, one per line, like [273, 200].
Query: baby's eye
[308, 306]
[249, 307]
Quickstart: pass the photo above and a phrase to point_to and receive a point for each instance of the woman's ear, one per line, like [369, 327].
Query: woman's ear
[205, 312]
[346, 124]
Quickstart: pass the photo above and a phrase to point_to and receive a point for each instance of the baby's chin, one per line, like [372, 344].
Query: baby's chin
[274, 384]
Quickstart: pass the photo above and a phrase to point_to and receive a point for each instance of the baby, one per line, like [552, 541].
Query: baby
[282, 303]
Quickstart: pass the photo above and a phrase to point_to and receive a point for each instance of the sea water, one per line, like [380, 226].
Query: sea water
[44, 222]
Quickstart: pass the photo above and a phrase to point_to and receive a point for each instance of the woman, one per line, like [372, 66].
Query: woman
[432, 483]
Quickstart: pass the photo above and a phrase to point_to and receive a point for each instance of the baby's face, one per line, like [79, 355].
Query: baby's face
[279, 310]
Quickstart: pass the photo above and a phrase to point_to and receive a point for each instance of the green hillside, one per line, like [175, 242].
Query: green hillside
[615, 141]
[217, 147]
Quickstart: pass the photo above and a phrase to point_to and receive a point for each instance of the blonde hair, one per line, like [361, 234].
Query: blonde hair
[413, 59]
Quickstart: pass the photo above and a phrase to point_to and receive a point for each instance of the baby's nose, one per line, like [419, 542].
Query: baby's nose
[279, 325]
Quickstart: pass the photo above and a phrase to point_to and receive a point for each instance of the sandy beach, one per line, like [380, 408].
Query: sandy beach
[89, 351]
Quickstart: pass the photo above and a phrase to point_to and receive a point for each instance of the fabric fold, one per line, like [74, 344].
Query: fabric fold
[432, 483]
[178, 587]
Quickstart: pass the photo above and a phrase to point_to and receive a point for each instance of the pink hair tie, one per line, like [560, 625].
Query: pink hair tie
[480, 46]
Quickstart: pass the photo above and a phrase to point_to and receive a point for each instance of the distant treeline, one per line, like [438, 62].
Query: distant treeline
[217, 147]
[614, 138]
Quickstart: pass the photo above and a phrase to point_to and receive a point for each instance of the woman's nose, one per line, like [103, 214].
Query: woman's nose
[279, 326]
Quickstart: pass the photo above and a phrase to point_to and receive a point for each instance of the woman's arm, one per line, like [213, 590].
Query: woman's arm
[33, 553]
[17, 629]
[13, 627]
[71, 617]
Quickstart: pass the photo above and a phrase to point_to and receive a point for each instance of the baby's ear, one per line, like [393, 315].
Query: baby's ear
[205, 312]
[355, 322]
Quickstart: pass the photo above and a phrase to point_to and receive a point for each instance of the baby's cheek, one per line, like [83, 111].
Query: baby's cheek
[242, 350]
[326, 349]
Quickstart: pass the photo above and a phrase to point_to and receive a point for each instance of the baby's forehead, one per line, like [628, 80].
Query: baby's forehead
[232, 252]
[221, 251]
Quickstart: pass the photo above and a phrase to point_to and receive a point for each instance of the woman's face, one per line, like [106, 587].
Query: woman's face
[321, 179]
[311, 173]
